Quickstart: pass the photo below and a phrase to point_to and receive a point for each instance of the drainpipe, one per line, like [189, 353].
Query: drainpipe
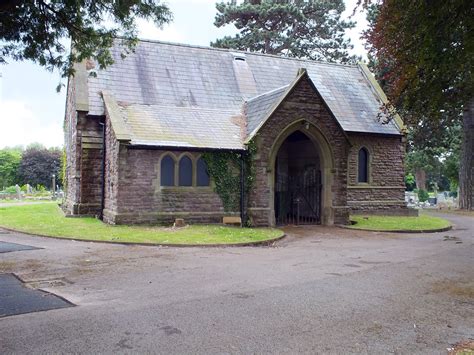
[102, 188]
[242, 189]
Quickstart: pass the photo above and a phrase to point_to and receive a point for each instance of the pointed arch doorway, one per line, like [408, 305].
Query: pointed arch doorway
[301, 177]
[297, 181]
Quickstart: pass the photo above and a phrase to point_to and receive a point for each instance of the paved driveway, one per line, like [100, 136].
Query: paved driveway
[322, 290]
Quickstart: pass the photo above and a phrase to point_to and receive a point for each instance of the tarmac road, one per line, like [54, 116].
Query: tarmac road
[321, 290]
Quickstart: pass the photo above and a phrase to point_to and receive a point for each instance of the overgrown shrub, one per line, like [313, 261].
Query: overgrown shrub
[410, 182]
[423, 195]
[10, 190]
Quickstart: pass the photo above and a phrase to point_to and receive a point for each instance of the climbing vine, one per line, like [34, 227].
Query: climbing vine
[224, 168]
[63, 176]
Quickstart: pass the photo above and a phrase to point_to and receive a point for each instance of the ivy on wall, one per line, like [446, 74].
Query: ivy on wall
[224, 168]
[63, 169]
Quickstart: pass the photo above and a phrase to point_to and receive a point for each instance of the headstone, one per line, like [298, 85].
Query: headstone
[29, 189]
[411, 198]
[18, 191]
[54, 187]
[179, 223]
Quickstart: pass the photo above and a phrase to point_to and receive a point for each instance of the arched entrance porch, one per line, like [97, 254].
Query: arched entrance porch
[297, 181]
[301, 177]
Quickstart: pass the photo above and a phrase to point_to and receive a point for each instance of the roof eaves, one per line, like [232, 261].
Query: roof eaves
[180, 146]
[379, 92]
[115, 116]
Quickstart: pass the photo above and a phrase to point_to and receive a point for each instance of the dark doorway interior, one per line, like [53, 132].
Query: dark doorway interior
[297, 181]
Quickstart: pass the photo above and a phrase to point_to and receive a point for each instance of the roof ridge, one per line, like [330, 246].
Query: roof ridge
[230, 50]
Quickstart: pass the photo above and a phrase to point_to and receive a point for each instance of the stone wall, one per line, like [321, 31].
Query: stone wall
[83, 144]
[72, 158]
[91, 136]
[134, 195]
[302, 105]
[385, 191]
[112, 173]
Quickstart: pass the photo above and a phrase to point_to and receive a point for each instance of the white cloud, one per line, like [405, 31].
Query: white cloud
[20, 125]
[169, 33]
[361, 24]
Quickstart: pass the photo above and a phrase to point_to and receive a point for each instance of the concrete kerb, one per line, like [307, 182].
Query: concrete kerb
[436, 230]
[259, 243]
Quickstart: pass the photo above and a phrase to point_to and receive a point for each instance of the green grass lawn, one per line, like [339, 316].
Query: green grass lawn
[393, 223]
[8, 200]
[48, 219]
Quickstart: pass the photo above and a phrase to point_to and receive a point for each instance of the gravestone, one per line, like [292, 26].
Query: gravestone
[18, 191]
[441, 197]
[179, 223]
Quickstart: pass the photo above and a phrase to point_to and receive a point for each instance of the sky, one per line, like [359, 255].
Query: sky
[32, 111]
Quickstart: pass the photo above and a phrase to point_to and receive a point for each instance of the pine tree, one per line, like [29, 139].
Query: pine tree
[294, 28]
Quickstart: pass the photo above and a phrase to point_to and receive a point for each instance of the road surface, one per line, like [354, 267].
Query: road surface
[321, 290]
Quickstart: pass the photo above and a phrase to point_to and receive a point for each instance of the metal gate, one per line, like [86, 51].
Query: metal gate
[298, 198]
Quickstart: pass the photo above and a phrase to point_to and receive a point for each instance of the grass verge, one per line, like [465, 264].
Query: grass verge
[25, 201]
[399, 223]
[48, 219]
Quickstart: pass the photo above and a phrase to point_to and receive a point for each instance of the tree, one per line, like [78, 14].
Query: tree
[429, 48]
[377, 64]
[436, 160]
[451, 170]
[38, 165]
[36, 29]
[295, 28]
[418, 163]
[9, 163]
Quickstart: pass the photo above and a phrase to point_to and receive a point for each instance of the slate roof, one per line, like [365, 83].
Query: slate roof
[192, 127]
[191, 96]
[258, 107]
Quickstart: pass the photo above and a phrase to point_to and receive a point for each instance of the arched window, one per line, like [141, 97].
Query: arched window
[363, 166]
[167, 171]
[185, 172]
[201, 173]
